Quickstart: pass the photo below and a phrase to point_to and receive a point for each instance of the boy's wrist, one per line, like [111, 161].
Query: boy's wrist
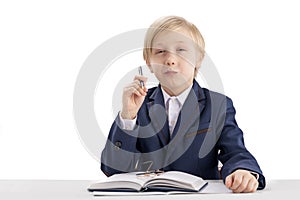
[127, 115]
[127, 124]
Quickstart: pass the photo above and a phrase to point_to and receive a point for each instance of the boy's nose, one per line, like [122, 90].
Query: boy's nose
[170, 60]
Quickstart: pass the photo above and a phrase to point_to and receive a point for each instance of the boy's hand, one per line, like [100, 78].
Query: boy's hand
[133, 97]
[241, 181]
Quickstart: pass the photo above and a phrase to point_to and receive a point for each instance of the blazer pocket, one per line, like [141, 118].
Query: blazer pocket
[203, 128]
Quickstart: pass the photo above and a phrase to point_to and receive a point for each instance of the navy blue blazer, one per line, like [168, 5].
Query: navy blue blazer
[206, 132]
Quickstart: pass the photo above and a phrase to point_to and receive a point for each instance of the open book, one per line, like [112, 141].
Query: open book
[141, 182]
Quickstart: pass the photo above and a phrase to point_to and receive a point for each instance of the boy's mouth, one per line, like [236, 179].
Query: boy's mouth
[170, 71]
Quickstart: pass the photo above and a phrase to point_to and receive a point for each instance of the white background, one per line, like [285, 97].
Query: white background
[43, 44]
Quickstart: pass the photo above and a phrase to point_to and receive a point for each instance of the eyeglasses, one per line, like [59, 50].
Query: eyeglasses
[148, 172]
[152, 173]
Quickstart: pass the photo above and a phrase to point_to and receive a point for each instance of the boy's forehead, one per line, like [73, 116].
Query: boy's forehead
[169, 36]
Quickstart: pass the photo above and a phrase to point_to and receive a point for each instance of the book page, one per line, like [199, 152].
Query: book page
[177, 179]
[120, 181]
[128, 177]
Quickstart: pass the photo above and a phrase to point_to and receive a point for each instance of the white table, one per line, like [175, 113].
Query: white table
[76, 189]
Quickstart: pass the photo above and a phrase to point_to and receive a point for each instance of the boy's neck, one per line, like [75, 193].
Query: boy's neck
[175, 92]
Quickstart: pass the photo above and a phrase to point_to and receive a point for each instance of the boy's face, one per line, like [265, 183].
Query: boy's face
[173, 60]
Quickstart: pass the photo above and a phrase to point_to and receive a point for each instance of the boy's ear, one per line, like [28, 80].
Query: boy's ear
[199, 60]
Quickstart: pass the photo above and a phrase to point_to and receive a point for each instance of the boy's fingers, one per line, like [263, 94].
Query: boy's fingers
[228, 181]
[236, 182]
[138, 87]
[252, 185]
[134, 88]
[140, 78]
[243, 187]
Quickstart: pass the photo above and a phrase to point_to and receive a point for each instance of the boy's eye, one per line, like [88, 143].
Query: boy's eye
[181, 49]
[160, 51]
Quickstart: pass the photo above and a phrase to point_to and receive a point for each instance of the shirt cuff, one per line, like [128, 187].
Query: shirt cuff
[127, 124]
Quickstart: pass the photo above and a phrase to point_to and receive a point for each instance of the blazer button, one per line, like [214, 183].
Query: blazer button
[118, 145]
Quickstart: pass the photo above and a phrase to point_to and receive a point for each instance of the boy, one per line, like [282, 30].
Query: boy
[178, 125]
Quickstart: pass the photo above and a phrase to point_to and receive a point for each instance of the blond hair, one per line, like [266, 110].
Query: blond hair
[172, 23]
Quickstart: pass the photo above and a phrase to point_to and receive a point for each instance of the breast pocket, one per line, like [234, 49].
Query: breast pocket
[202, 128]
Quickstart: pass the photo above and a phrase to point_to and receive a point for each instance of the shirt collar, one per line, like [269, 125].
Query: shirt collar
[181, 98]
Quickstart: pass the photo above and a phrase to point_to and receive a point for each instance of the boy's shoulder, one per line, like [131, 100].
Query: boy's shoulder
[212, 93]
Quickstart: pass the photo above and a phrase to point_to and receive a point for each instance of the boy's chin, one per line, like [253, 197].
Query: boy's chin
[176, 86]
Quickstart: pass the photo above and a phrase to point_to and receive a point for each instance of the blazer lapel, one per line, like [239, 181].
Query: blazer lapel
[158, 116]
[191, 109]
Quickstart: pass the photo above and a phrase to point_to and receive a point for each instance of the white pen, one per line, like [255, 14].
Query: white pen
[141, 73]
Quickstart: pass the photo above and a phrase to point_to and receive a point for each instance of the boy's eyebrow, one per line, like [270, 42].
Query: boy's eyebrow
[161, 44]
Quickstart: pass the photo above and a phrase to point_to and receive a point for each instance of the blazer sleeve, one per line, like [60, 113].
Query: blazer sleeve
[120, 153]
[233, 153]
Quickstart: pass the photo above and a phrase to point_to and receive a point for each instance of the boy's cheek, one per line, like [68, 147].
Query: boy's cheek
[188, 58]
[154, 66]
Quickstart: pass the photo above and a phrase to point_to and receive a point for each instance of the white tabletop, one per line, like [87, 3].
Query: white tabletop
[77, 189]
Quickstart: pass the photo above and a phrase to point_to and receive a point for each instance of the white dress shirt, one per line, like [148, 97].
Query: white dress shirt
[173, 105]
